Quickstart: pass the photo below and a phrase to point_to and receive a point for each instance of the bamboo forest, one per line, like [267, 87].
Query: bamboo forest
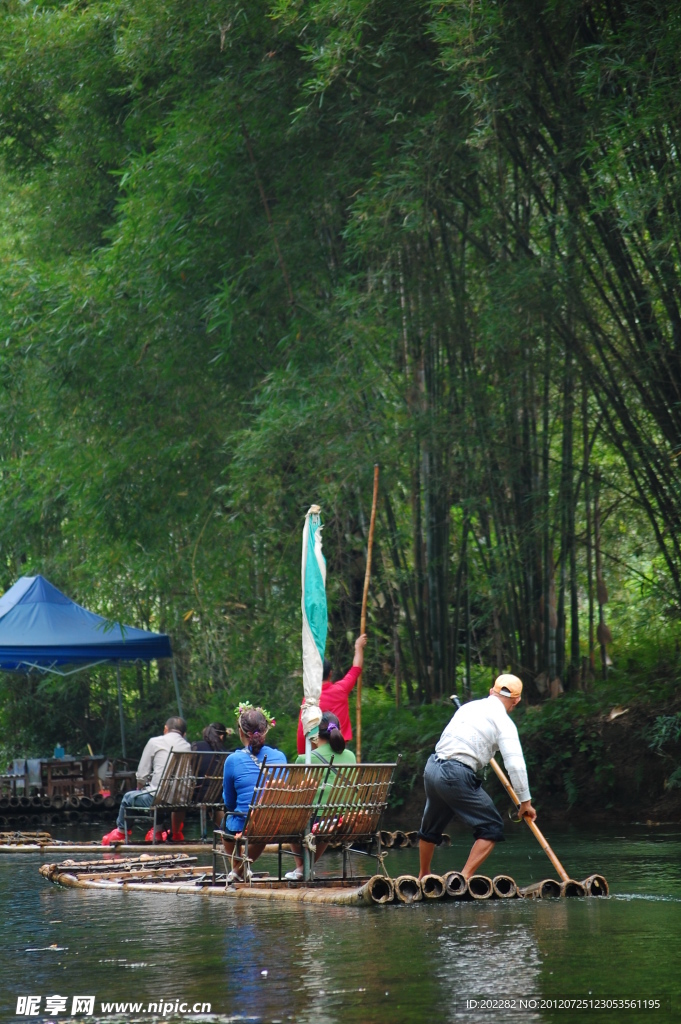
[340, 511]
[248, 251]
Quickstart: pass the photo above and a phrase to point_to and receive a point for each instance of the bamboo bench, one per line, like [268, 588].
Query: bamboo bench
[306, 804]
[191, 779]
[352, 810]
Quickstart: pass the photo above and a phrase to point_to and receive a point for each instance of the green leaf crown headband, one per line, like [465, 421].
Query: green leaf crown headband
[245, 705]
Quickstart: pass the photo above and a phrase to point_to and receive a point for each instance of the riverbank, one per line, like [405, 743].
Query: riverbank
[610, 755]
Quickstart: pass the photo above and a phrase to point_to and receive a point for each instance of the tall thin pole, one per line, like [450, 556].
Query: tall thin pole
[177, 688]
[120, 707]
[363, 619]
[589, 539]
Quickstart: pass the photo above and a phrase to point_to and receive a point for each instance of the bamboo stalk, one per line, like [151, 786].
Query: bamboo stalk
[546, 889]
[433, 887]
[363, 619]
[596, 885]
[504, 887]
[572, 888]
[479, 887]
[376, 889]
[407, 889]
[455, 884]
[531, 825]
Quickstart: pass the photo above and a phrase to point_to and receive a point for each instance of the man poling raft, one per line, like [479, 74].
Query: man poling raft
[467, 745]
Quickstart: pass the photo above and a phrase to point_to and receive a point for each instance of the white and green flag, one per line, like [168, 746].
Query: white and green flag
[315, 623]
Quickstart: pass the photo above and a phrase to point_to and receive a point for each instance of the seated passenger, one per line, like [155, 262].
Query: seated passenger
[149, 771]
[242, 769]
[214, 737]
[329, 743]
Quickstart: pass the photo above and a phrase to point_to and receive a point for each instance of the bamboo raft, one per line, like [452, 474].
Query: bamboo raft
[43, 842]
[21, 841]
[180, 874]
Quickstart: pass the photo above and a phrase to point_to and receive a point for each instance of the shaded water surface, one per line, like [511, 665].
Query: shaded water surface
[346, 965]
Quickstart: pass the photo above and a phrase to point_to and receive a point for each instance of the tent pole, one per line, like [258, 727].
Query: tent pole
[177, 688]
[120, 707]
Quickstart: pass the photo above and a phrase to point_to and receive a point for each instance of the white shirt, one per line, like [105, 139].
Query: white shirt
[155, 757]
[476, 732]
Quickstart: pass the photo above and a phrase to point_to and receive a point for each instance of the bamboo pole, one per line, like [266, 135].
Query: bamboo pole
[531, 825]
[376, 889]
[363, 619]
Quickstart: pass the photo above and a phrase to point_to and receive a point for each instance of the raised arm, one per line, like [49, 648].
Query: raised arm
[360, 644]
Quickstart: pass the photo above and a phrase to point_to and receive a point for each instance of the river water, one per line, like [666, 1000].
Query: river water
[338, 965]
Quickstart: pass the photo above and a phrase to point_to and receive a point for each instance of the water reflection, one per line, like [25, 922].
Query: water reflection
[486, 956]
[393, 965]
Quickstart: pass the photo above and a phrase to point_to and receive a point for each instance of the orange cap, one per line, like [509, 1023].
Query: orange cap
[508, 686]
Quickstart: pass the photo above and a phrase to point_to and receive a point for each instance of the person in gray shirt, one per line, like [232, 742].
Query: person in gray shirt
[472, 738]
[149, 771]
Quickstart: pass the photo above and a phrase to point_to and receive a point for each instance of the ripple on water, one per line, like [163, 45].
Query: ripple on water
[392, 965]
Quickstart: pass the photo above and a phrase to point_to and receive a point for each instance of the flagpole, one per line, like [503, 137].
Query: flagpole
[315, 623]
[363, 619]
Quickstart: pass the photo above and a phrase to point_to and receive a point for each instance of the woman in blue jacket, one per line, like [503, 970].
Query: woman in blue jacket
[242, 769]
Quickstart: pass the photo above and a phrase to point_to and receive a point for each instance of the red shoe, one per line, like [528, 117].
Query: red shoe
[161, 836]
[116, 836]
[177, 837]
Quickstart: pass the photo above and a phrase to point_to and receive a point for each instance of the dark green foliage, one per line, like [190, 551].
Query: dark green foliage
[565, 749]
[247, 251]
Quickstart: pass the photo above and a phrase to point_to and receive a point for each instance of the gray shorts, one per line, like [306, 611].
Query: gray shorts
[452, 788]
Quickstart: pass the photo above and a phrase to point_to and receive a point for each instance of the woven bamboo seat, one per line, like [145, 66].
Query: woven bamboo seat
[355, 803]
[281, 809]
[286, 807]
[191, 779]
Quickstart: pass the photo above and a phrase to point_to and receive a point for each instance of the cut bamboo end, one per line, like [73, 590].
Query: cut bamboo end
[455, 884]
[433, 887]
[504, 887]
[548, 888]
[572, 888]
[408, 889]
[596, 885]
[413, 838]
[381, 889]
[386, 839]
[480, 887]
[446, 839]
[400, 840]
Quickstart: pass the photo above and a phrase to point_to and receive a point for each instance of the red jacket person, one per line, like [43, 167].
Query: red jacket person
[335, 696]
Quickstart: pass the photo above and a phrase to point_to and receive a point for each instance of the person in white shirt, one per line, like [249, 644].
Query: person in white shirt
[472, 738]
[149, 771]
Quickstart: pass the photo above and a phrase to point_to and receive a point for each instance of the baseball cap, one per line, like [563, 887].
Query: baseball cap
[508, 686]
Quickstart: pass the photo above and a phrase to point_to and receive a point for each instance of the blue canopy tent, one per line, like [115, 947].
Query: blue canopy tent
[42, 629]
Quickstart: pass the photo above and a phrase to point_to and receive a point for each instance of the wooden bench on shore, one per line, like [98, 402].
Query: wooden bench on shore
[306, 804]
[191, 779]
